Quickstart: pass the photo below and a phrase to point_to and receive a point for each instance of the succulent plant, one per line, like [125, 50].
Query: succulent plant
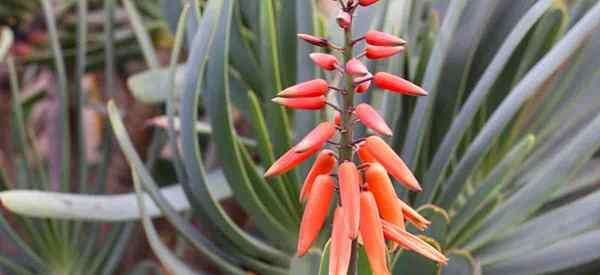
[502, 145]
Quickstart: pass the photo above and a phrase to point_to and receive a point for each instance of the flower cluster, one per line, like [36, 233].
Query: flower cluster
[368, 208]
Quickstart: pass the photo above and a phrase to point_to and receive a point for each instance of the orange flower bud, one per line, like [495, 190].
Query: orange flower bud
[371, 231]
[381, 187]
[364, 155]
[349, 182]
[313, 39]
[412, 242]
[413, 216]
[376, 38]
[288, 161]
[363, 87]
[315, 87]
[370, 118]
[391, 162]
[317, 137]
[378, 52]
[315, 213]
[341, 245]
[344, 19]
[306, 103]
[325, 61]
[337, 118]
[397, 84]
[356, 68]
[323, 165]
[365, 3]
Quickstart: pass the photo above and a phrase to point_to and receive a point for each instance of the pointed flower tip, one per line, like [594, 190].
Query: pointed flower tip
[317, 41]
[412, 242]
[380, 52]
[317, 137]
[397, 84]
[315, 87]
[391, 162]
[304, 103]
[370, 118]
[323, 165]
[327, 62]
[377, 38]
[365, 3]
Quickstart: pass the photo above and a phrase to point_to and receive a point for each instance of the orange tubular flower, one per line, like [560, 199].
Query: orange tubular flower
[349, 182]
[306, 103]
[370, 118]
[413, 216]
[323, 165]
[317, 137]
[313, 39]
[315, 87]
[378, 52]
[364, 155]
[356, 68]
[337, 118]
[288, 161]
[376, 38]
[341, 245]
[315, 213]
[365, 3]
[412, 242]
[397, 84]
[381, 187]
[325, 61]
[371, 231]
[391, 162]
[363, 87]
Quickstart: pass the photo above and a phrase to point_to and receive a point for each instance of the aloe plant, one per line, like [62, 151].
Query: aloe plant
[501, 145]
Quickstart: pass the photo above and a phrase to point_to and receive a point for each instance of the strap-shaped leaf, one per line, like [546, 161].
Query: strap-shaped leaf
[526, 88]
[198, 192]
[439, 218]
[461, 263]
[558, 224]
[6, 40]
[421, 117]
[141, 34]
[162, 252]
[543, 184]
[491, 185]
[562, 255]
[217, 105]
[463, 121]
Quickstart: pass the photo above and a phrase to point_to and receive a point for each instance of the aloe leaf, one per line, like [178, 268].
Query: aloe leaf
[307, 264]
[524, 89]
[324, 263]
[151, 86]
[575, 251]
[217, 104]
[141, 34]
[463, 121]
[305, 23]
[561, 223]
[60, 169]
[491, 185]
[191, 152]
[543, 184]
[145, 267]
[420, 119]
[185, 228]
[242, 57]
[461, 263]
[162, 252]
[287, 40]
[6, 40]
[269, 58]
